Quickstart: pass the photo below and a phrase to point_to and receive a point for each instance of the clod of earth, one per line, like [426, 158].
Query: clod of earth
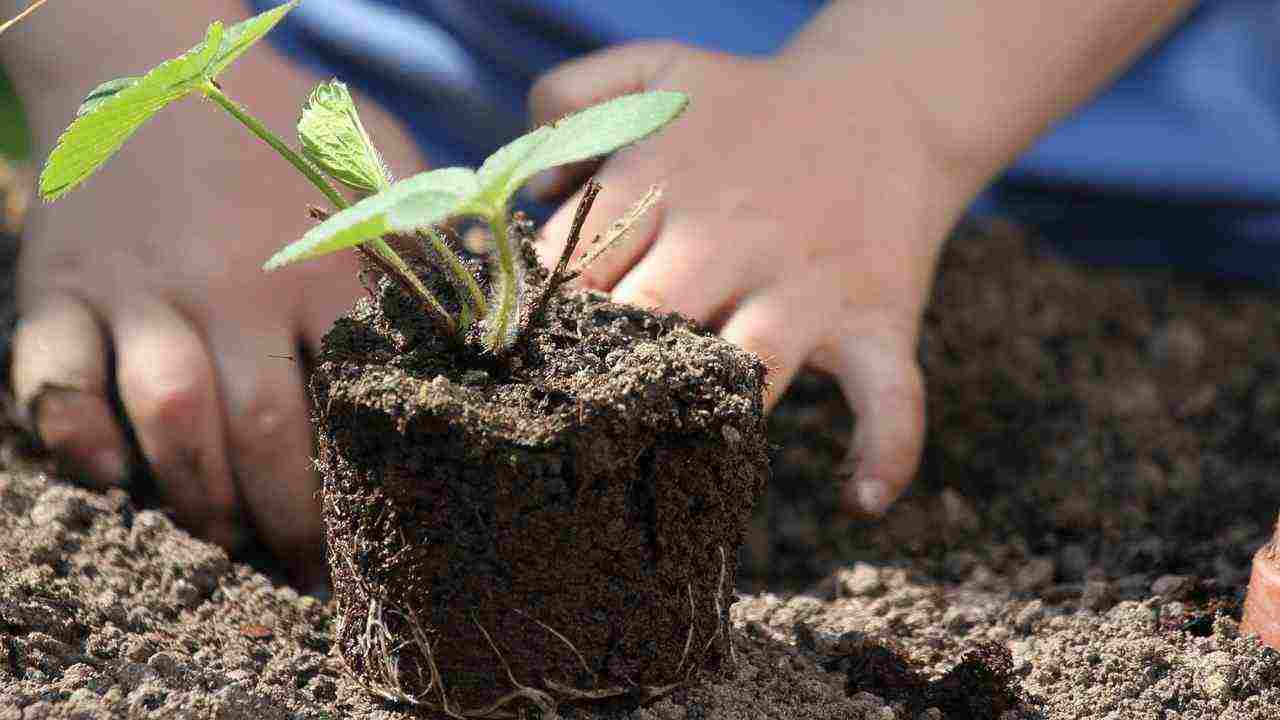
[562, 524]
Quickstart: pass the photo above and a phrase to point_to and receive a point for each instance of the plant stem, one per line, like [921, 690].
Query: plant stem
[379, 250]
[213, 92]
[464, 284]
[506, 306]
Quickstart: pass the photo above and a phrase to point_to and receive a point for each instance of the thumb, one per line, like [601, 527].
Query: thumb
[590, 80]
[885, 388]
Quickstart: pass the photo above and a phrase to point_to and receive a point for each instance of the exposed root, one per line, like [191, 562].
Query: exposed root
[383, 675]
[543, 701]
[585, 666]
[721, 622]
[693, 623]
[617, 232]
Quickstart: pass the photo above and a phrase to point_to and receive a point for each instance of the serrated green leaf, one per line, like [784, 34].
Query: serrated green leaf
[243, 35]
[596, 131]
[336, 141]
[99, 132]
[103, 93]
[412, 204]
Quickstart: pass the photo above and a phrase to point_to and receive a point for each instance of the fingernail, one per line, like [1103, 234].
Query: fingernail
[872, 496]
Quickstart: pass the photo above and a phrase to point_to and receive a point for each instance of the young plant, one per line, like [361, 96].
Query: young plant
[335, 144]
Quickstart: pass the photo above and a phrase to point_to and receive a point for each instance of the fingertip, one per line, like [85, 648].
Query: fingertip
[80, 430]
[885, 389]
[58, 375]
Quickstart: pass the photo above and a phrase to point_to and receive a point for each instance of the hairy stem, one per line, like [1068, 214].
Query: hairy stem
[379, 249]
[469, 293]
[505, 306]
[389, 262]
[213, 92]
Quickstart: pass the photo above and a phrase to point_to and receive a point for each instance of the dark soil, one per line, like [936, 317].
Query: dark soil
[1099, 472]
[569, 514]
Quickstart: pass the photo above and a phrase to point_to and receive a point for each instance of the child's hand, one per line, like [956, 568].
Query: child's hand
[801, 217]
[146, 286]
[808, 194]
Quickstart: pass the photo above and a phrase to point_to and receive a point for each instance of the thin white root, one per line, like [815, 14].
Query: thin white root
[585, 666]
[688, 639]
[719, 604]
[619, 229]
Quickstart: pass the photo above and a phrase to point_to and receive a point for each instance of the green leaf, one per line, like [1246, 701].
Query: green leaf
[99, 132]
[243, 35]
[598, 130]
[414, 203]
[15, 135]
[103, 93]
[334, 139]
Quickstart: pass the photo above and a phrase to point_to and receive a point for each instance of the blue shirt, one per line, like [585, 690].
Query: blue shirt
[1177, 163]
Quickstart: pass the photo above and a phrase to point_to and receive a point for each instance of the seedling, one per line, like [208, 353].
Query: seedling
[335, 145]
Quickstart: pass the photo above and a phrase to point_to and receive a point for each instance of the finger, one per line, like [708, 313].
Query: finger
[684, 271]
[616, 197]
[268, 435]
[581, 83]
[883, 384]
[168, 390]
[766, 325]
[59, 377]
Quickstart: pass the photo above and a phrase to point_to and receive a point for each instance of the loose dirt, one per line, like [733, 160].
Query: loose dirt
[1099, 472]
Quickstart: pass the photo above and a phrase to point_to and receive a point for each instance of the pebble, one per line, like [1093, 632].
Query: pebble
[862, 580]
[1027, 617]
[1037, 573]
[1172, 587]
[1215, 673]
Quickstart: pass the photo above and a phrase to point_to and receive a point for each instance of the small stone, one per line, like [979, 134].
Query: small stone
[958, 511]
[732, 435]
[1097, 595]
[63, 506]
[1226, 627]
[1134, 614]
[165, 664]
[959, 618]
[138, 649]
[1027, 617]
[1215, 674]
[1037, 573]
[1179, 344]
[1172, 587]
[185, 594]
[862, 580]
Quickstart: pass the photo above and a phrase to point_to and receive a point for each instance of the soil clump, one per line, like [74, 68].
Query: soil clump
[1086, 504]
[566, 517]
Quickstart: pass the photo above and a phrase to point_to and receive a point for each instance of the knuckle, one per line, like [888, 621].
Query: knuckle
[174, 402]
[264, 422]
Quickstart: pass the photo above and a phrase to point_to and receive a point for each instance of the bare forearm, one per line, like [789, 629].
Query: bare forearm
[985, 77]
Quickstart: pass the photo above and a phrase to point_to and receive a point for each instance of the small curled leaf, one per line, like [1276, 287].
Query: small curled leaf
[336, 141]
